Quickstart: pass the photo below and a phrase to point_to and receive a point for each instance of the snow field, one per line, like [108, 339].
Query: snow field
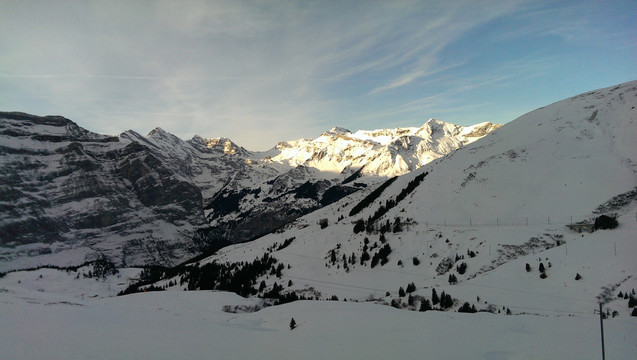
[174, 325]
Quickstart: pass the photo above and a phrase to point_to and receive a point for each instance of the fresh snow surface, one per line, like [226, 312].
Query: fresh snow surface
[192, 325]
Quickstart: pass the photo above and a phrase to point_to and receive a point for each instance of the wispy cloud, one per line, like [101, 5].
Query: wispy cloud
[262, 71]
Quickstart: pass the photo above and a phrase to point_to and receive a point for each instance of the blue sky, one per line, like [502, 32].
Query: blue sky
[260, 72]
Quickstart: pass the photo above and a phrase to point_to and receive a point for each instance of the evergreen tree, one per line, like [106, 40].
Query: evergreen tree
[425, 305]
[605, 222]
[466, 308]
[401, 292]
[359, 227]
[364, 257]
[375, 260]
[462, 268]
[411, 287]
[448, 301]
[396, 303]
[452, 279]
[434, 297]
[292, 324]
[542, 269]
[528, 267]
[444, 303]
[398, 227]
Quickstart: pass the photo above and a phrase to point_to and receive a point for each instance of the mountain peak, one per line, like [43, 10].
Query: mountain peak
[222, 144]
[337, 130]
[158, 131]
[435, 121]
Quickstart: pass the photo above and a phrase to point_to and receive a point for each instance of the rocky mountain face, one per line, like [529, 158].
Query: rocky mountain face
[67, 193]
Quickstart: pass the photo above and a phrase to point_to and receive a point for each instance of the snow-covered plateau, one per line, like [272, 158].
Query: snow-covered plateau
[529, 229]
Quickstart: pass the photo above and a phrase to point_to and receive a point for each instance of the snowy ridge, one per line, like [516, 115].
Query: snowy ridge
[382, 152]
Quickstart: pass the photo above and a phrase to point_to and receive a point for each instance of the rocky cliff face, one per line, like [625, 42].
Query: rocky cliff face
[67, 193]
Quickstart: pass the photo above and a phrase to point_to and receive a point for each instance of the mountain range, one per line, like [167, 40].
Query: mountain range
[490, 223]
[531, 228]
[69, 194]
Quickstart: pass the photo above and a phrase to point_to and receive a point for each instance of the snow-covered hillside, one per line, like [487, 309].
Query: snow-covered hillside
[192, 325]
[481, 214]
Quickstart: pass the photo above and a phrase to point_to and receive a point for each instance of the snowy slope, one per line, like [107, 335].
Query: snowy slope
[178, 325]
[506, 198]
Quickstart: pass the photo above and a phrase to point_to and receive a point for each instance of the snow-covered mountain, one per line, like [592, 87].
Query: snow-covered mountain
[314, 173]
[486, 224]
[69, 193]
[482, 228]
[382, 152]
